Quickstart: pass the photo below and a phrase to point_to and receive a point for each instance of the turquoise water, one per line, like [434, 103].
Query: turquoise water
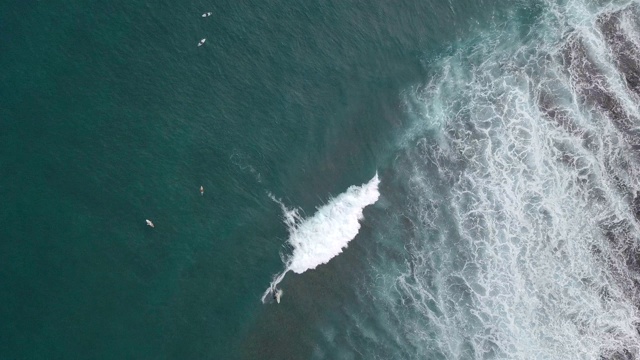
[480, 117]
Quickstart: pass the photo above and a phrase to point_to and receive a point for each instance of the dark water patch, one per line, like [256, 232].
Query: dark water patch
[621, 355]
[625, 52]
[561, 117]
[591, 84]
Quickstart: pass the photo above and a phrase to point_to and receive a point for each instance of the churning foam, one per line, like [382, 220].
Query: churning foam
[524, 204]
[318, 239]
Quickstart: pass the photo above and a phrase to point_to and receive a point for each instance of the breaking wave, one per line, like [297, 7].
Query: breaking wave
[318, 239]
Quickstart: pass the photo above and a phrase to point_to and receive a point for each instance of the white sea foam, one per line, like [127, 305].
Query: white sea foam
[524, 235]
[318, 239]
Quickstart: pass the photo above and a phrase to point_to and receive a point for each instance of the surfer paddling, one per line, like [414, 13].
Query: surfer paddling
[149, 223]
[201, 190]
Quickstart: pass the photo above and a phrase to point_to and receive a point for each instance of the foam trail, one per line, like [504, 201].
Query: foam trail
[320, 238]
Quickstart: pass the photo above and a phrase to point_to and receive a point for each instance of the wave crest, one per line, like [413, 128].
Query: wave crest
[318, 239]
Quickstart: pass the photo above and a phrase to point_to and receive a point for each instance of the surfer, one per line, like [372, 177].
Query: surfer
[206, 14]
[149, 223]
[202, 42]
[277, 294]
[201, 190]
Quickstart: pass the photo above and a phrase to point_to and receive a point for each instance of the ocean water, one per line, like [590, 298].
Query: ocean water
[421, 179]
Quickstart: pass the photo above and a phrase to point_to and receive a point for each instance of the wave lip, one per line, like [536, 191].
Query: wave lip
[318, 239]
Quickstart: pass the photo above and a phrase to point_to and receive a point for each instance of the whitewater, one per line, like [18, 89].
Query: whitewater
[318, 239]
[517, 209]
